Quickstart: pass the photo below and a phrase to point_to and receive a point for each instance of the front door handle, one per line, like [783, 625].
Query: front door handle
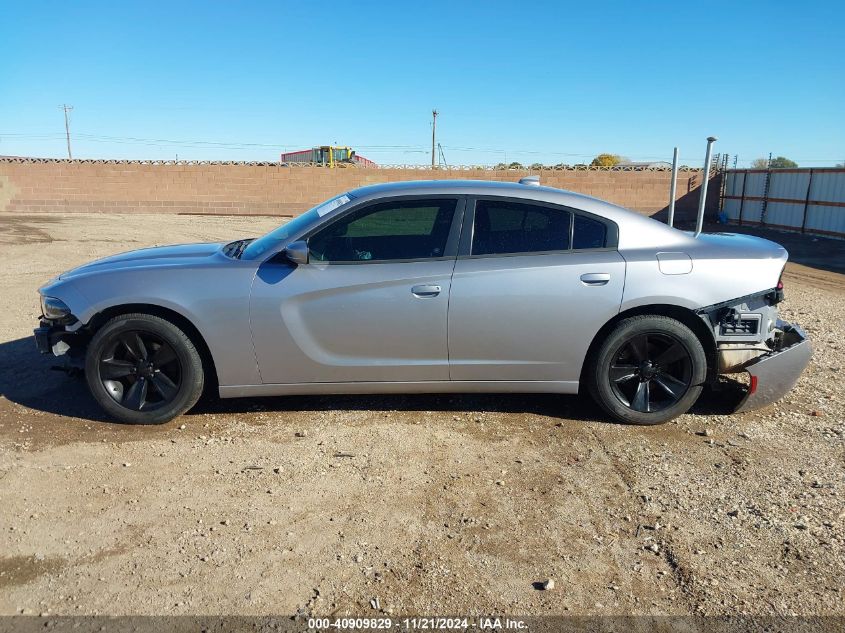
[426, 290]
[595, 279]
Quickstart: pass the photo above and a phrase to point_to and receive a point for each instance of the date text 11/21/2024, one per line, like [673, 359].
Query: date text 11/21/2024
[433, 623]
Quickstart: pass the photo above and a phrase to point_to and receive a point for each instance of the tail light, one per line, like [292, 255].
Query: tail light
[776, 295]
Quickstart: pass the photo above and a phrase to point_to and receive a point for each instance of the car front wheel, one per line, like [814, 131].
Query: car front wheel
[143, 369]
[649, 370]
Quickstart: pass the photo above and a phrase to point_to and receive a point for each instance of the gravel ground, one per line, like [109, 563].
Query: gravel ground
[429, 504]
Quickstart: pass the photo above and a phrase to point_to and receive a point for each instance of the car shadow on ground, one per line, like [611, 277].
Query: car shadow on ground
[550, 405]
[26, 378]
[720, 401]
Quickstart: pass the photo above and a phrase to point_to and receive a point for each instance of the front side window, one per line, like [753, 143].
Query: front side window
[404, 229]
[503, 227]
[257, 248]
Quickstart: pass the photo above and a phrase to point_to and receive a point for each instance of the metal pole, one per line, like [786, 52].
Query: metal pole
[433, 133]
[807, 202]
[742, 196]
[673, 188]
[699, 223]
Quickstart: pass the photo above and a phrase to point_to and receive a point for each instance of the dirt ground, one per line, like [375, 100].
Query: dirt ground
[427, 504]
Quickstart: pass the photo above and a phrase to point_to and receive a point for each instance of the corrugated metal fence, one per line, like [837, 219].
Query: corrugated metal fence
[804, 200]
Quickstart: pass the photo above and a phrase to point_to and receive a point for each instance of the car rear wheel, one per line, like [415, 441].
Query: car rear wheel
[143, 369]
[649, 370]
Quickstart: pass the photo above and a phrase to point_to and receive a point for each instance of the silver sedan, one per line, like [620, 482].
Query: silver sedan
[441, 286]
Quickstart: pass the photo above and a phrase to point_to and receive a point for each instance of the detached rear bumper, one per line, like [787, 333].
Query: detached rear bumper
[776, 372]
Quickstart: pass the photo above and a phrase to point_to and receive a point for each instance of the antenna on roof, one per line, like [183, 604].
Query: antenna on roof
[532, 181]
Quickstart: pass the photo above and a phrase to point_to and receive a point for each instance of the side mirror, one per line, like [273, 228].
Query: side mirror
[297, 252]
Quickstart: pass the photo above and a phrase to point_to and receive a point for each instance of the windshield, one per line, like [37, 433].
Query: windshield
[266, 243]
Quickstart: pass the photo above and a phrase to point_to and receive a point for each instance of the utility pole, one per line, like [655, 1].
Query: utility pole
[67, 109]
[433, 135]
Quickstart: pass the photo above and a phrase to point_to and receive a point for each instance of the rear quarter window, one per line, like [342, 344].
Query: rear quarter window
[588, 233]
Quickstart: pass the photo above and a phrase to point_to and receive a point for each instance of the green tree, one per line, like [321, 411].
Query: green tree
[515, 165]
[781, 162]
[538, 166]
[606, 160]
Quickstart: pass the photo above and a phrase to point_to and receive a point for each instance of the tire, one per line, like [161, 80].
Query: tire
[649, 370]
[142, 369]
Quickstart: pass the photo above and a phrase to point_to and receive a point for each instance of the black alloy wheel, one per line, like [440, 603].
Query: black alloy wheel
[140, 371]
[651, 372]
[144, 369]
[647, 370]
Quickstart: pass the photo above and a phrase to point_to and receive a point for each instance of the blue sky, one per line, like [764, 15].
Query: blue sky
[533, 82]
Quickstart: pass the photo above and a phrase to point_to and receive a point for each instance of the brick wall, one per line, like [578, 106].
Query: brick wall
[130, 187]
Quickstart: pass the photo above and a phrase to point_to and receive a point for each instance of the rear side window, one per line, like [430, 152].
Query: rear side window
[588, 233]
[410, 229]
[503, 227]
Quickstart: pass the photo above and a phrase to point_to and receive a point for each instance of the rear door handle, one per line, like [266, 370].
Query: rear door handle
[426, 290]
[595, 279]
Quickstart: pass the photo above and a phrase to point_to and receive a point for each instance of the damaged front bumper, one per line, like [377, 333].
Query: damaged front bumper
[776, 372]
[52, 338]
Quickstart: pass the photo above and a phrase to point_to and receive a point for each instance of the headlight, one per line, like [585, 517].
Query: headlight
[54, 309]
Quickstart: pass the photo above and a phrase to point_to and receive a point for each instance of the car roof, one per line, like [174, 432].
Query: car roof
[464, 187]
[639, 230]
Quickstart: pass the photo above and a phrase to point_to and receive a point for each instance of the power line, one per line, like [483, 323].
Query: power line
[377, 149]
[134, 140]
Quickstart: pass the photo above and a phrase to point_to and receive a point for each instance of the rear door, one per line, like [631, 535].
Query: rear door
[532, 285]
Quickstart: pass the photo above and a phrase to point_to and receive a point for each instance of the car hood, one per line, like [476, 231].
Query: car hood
[179, 255]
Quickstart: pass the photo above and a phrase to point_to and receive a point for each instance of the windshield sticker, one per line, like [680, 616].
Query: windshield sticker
[331, 205]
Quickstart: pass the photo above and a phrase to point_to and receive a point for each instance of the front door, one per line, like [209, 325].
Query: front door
[532, 290]
[371, 304]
